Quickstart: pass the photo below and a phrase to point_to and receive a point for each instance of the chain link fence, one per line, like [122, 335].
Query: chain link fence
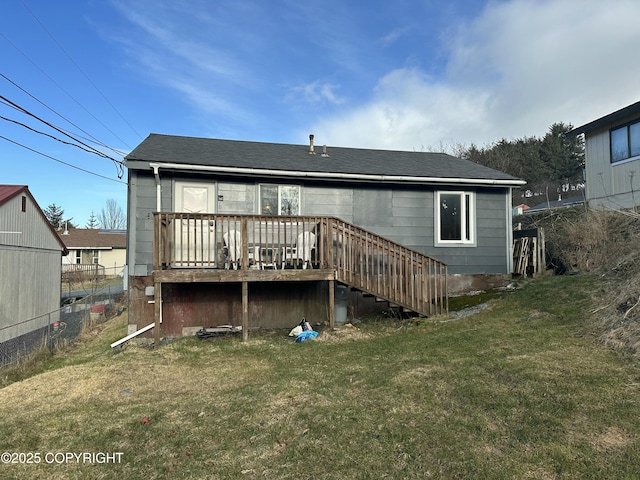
[61, 327]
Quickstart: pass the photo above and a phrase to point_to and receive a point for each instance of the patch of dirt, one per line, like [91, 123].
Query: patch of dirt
[613, 439]
[341, 334]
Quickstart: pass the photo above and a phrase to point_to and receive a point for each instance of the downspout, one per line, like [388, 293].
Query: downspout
[156, 174]
[509, 231]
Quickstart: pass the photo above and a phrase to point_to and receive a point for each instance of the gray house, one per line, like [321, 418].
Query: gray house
[612, 148]
[30, 253]
[221, 230]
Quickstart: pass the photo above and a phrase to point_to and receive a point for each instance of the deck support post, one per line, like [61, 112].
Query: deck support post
[332, 303]
[157, 308]
[245, 311]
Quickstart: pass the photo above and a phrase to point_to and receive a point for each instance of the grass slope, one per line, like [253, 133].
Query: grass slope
[517, 391]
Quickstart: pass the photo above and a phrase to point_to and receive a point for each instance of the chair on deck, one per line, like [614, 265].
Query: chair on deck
[233, 245]
[233, 250]
[305, 243]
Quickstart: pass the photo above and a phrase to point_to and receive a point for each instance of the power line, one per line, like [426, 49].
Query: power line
[25, 111]
[80, 69]
[94, 139]
[89, 149]
[60, 161]
[67, 93]
[53, 137]
[118, 163]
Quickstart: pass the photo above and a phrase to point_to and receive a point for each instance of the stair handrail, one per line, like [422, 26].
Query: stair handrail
[378, 266]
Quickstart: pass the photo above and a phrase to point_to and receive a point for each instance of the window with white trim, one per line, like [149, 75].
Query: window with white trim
[279, 200]
[455, 218]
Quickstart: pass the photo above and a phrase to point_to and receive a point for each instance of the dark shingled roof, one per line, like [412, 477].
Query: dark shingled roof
[606, 121]
[285, 158]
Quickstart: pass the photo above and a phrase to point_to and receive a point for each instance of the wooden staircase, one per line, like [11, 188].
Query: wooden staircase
[384, 269]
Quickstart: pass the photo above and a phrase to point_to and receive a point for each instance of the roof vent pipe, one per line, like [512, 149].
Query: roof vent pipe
[324, 151]
[311, 151]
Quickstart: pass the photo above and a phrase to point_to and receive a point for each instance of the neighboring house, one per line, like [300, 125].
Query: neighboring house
[612, 147]
[387, 223]
[30, 252]
[520, 209]
[563, 201]
[95, 250]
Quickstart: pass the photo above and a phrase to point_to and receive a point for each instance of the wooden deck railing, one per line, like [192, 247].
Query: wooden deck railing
[189, 240]
[83, 270]
[361, 259]
[388, 270]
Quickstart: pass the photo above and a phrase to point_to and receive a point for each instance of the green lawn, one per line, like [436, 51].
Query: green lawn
[520, 390]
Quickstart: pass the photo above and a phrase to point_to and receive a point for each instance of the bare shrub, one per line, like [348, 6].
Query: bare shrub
[604, 243]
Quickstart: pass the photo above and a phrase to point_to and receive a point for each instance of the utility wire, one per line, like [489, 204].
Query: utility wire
[118, 152]
[51, 136]
[23, 110]
[67, 93]
[80, 70]
[118, 163]
[93, 139]
[60, 161]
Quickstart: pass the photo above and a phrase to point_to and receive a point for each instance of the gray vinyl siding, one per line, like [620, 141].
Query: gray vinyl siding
[328, 201]
[237, 198]
[373, 207]
[142, 204]
[608, 185]
[403, 215]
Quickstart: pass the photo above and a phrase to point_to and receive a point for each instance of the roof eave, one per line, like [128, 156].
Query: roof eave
[402, 179]
[605, 121]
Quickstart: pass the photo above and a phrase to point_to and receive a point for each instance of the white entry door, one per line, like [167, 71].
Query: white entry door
[194, 239]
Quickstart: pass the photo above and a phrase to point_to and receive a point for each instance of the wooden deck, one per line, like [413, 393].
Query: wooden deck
[218, 275]
[191, 247]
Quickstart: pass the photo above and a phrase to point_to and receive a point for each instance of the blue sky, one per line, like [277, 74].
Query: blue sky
[409, 75]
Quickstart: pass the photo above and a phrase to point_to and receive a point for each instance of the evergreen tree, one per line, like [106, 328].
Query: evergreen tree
[93, 221]
[563, 156]
[548, 165]
[54, 214]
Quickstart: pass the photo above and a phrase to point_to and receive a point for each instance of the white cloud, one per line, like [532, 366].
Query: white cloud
[409, 111]
[512, 72]
[393, 36]
[316, 92]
